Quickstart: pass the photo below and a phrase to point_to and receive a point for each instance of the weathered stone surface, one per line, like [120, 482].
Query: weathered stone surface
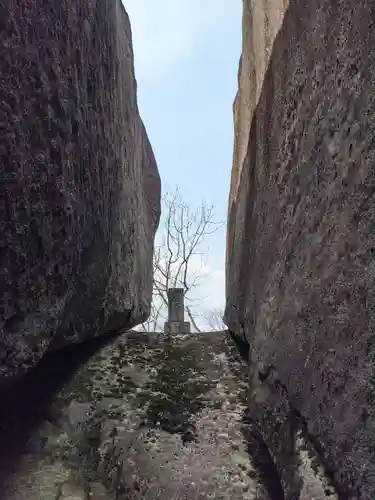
[79, 186]
[300, 237]
[177, 327]
[260, 25]
[176, 304]
[261, 22]
[176, 312]
[148, 417]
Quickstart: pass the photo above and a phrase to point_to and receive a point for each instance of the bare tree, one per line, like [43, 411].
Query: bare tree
[179, 256]
[214, 319]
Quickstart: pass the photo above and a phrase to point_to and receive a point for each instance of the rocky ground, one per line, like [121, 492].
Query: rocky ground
[155, 418]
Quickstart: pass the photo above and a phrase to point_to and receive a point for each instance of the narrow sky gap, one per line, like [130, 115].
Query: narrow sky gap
[186, 61]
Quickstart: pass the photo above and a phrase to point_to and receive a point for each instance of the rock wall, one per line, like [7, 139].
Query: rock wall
[299, 250]
[79, 185]
[261, 22]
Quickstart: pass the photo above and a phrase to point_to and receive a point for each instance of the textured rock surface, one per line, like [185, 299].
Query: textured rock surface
[146, 418]
[261, 22]
[299, 259]
[79, 186]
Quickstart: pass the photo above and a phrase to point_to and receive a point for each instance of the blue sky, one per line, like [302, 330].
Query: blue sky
[186, 62]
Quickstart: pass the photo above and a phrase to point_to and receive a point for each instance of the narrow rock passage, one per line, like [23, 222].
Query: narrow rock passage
[149, 418]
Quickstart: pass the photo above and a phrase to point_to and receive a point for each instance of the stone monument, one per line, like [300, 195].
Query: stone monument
[176, 323]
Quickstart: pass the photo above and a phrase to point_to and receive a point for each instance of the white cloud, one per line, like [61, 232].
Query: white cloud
[214, 290]
[210, 294]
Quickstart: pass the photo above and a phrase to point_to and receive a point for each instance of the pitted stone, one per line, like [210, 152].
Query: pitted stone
[176, 323]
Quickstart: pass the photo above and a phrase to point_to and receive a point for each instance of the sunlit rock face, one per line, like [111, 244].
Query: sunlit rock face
[300, 225]
[79, 185]
[261, 22]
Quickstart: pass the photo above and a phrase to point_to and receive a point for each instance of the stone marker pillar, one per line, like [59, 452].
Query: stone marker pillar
[176, 323]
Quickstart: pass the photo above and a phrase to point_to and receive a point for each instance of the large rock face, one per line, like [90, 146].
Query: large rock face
[79, 186]
[299, 254]
[260, 24]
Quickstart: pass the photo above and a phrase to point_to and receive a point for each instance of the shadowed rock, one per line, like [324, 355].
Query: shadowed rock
[79, 186]
[300, 235]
